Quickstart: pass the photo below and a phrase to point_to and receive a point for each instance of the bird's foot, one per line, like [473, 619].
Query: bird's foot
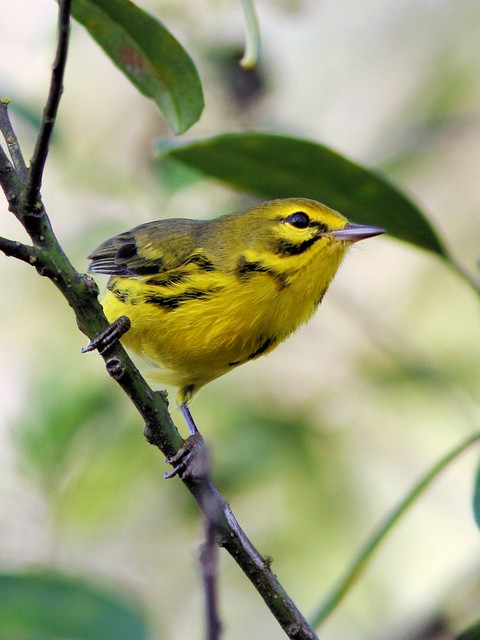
[190, 460]
[109, 336]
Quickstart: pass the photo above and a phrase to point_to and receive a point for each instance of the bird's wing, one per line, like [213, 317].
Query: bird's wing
[151, 248]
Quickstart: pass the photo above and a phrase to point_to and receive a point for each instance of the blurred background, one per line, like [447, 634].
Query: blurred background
[314, 444]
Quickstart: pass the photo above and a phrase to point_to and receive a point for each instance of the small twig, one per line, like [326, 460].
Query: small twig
[37, 165]
[11, 140]
[209, 568]
[15, 249]
[11, 183]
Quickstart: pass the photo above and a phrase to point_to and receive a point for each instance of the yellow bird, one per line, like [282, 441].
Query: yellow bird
[205, 296]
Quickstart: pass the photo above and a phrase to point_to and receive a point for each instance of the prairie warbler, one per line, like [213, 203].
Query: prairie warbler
[204, 296]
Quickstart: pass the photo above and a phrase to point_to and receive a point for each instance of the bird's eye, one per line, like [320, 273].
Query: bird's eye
[299, 220]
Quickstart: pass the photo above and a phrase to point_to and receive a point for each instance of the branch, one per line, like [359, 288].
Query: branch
[81, 293]
[37, 165]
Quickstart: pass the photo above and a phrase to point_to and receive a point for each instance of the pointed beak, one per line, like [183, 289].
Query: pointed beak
[355, 232]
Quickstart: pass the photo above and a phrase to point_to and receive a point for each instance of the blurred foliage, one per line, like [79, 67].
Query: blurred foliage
[76, 441]
[47, 606]
[63, 416]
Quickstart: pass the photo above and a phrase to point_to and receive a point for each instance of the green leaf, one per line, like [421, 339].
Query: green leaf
[53, 430]
[276, 166]
[40, 606]
[148, 55]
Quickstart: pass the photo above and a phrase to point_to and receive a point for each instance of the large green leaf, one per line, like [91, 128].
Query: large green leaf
[276, 166]
[40, 606]
[148, 55]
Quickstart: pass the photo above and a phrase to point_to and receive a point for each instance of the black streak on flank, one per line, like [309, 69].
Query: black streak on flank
[265, 345]
[170, 303]
[124, 296]
[245, 269]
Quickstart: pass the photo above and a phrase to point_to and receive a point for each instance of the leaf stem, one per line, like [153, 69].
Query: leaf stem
[252, 36]
[361, 559]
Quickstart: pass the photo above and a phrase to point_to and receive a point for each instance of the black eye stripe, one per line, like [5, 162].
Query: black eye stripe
[299, 220]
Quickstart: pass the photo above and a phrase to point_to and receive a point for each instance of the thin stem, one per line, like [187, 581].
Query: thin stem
[11, 140]
[209, 568]
[37, 165]
[252, 36]
[360, 561]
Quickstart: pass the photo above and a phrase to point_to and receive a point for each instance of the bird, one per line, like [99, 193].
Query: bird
[206, 296]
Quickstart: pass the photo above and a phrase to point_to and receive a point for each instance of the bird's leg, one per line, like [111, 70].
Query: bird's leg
[192, 457]
[109, 336]
[192, 427]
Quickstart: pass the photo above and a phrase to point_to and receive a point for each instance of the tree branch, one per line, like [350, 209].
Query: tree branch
[80, 291]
